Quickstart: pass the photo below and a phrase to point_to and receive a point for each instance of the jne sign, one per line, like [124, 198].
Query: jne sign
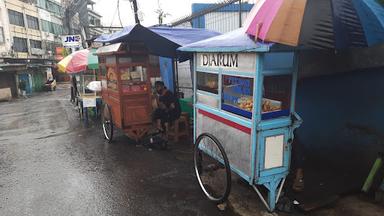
[242, 62]
[71, 40]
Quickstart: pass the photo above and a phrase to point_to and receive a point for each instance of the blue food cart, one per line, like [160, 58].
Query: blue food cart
[244, 111]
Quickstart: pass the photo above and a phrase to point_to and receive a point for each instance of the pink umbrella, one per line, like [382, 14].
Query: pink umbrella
[79, 61]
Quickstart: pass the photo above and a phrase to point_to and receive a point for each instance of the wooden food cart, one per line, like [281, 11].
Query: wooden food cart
[125, 72]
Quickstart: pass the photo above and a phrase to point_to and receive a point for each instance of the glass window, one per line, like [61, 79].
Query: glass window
[237, 95]
[276, 96]
[54, 8]
[20, 44]
[33, 22]
[110, 60]
[46, 26]
[133, 78]
[57, 29]
[42, 3]
[207, 82]
[85, 80]
[35, 44]
[16, 18]
[111, 79]
[154, 60]
[2, 39]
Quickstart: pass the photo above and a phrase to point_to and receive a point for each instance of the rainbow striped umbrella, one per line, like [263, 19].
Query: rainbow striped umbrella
[79, 61]
[324, 24]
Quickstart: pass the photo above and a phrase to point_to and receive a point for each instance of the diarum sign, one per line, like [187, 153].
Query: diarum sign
[220, 60]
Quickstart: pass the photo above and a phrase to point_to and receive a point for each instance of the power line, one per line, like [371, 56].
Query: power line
[114, 15]
[118, 12]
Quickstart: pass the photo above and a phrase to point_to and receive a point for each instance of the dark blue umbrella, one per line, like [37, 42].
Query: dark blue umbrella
[340, 24]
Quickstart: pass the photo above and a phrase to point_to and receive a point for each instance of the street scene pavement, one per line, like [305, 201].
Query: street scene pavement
[52, 164]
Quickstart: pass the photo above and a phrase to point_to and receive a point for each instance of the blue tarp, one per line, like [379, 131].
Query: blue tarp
[184, 36]
[166, 72]
[234, 41]
[161, 41]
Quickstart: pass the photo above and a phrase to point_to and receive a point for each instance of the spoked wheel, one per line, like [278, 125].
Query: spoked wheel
[106, 120]
[80, 109]
[212, 168]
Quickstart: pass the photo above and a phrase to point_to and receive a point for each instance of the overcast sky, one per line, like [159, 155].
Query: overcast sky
[176, 9]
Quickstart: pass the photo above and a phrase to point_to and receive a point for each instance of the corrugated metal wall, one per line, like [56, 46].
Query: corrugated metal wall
[223, 21]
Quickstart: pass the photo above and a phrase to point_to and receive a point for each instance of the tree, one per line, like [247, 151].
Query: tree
[161, 14]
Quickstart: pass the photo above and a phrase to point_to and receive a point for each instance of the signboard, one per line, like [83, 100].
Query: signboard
[37, 51]
[71, 40]
[241, 62]
[274, 151]
[89, 102]
[45, 15]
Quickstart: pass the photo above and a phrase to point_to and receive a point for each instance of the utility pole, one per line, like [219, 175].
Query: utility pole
[135, 11]
[240, 12]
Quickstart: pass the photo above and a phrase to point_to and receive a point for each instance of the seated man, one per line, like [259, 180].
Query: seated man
[168, 107]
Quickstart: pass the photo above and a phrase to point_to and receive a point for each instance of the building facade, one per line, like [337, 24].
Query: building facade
[30, 37]
[29, 32]
[94, 21]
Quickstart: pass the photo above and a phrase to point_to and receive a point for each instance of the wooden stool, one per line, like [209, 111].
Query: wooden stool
[180, 127]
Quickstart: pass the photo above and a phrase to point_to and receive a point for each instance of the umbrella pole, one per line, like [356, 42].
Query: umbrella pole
[175, 77]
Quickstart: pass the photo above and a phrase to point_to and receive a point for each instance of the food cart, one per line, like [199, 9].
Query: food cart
[87, 96]
[125, 72]
[244, 97]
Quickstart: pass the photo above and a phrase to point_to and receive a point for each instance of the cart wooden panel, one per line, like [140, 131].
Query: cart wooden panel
[126, 87]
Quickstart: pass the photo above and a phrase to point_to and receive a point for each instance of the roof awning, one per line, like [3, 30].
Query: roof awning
[161, 41]
[234, 41]
[112, 48]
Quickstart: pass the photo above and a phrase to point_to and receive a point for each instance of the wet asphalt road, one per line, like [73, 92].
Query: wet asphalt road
[51, 164]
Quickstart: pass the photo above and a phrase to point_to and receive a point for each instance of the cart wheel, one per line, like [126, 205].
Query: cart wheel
[106, 120]
[212, 168]
[80, 109]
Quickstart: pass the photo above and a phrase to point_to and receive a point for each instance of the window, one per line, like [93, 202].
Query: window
[42, 3]
[20, 44]
[16, 18]
[51, 46]
[51, 27]
[111, 79]
[276, 96]
[33, 22]
[133, 78]
[2, 39]
[46, 26]
[207, 82]
[237, 95]
[54, 8]
[35, 44]
[92, 20]
[57, 29]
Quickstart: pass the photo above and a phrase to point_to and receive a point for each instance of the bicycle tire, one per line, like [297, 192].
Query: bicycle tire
[198, 168]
